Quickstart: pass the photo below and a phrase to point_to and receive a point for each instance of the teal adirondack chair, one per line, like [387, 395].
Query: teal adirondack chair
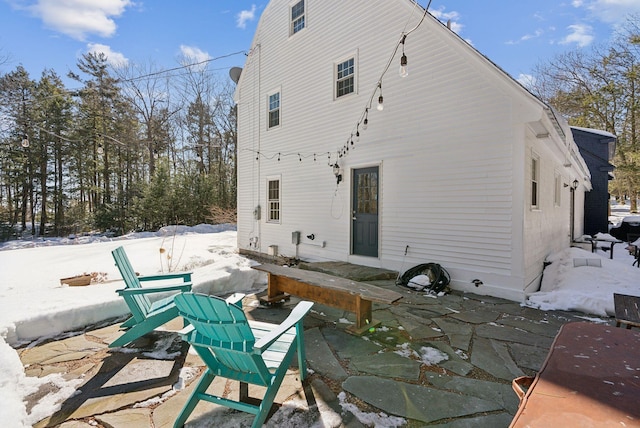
[145, 315]
[234, 348]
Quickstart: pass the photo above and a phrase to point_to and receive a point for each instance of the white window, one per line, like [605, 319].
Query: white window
[297, 17]
[273, 200]
[345, 77]
[274, 110]
[535, 181]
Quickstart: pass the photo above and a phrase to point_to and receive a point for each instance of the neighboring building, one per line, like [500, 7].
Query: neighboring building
[597, 148]
[463, 167]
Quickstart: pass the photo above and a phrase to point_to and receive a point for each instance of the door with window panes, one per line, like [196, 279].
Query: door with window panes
[365, 212]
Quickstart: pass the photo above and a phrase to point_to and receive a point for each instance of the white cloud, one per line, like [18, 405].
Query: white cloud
[79, 18]
[580, 34]
[526, 80]
[116, 59]
[534, 35]
[246, 15]
[452, 16]
[609, 11]
[194, 54]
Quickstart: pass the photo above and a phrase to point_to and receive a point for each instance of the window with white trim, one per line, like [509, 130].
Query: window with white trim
[274, 110]
[273, 200]
[297, 17]
[345, 77]
[535, 181]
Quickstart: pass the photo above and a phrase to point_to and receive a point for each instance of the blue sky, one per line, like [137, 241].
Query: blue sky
[42, 34]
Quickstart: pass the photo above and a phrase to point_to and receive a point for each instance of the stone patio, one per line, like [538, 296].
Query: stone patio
[482, 344]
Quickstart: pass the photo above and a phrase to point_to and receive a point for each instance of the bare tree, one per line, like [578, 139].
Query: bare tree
[599, 88]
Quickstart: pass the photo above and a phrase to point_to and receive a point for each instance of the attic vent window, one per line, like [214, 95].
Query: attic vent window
[297, 17]
[345, 73]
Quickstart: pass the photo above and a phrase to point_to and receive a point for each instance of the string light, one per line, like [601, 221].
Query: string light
[404, 69]
[279, 156]
[364, 118]
[25, 142]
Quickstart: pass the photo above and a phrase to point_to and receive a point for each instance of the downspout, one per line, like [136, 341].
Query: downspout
[257, 217]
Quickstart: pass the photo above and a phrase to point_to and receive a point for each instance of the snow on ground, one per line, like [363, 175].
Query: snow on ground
[589, 288]
[34, 305]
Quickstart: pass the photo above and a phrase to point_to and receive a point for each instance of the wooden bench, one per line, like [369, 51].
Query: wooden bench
[627, 310]
[342, 293]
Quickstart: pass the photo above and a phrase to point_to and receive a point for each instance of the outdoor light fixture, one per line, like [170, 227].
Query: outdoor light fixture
[365, 122]
[380, 99]
[404, 70]
[575, 184]
[336, 172]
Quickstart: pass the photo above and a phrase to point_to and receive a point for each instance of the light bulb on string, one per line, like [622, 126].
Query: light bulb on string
[25, 142]
[380, 106]
[404, 69]
[365, 122]
[357, 134]
[100, 150]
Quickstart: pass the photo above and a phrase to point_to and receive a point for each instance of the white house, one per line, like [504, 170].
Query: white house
[463, 166]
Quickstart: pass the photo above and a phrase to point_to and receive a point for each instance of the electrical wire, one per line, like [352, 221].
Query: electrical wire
[378, 85]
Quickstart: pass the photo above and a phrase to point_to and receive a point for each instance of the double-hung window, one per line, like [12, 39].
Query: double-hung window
[345, 77]
[535, 179]
[297, 17]
[274, 110]
[273, 200]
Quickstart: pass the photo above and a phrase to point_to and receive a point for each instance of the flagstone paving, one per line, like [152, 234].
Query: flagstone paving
[482, 343]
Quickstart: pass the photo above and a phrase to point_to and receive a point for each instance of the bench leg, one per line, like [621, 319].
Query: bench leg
[364, 312]
[274, 294]
[364, 317]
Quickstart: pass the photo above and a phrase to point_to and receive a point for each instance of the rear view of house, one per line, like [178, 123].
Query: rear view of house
[340, 157]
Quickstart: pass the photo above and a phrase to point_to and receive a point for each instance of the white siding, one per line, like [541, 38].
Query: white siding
[450, 145]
